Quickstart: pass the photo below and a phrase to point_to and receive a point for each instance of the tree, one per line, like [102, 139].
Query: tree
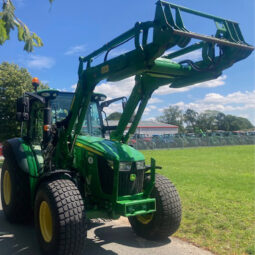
[207, 120]
[9, 21]
[190, 118]
[222, 123]
[14, 82]
[172, 115]
[114, 116]
[237, 123]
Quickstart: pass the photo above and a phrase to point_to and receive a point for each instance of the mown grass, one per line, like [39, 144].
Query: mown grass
[217, 187]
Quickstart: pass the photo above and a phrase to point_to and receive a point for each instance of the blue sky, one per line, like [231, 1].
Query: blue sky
[70, 29]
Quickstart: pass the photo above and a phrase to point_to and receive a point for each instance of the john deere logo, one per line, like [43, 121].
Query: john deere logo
[104, 69]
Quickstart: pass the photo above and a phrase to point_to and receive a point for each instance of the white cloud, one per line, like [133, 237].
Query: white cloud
[73, 87]
[165, 90]
[155, 100]
[76, 49]
[40, 62]
[149, 108]
[237, 103]
[116, 89]
[124, 88]
[150, 119]
[113, 108]
[153, 107]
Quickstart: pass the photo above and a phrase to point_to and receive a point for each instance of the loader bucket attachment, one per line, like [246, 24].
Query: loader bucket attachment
[228, 38]
[228, 32]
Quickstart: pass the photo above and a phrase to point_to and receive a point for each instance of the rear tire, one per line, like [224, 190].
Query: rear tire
[60, 218]
[15, 191]
[166, 220]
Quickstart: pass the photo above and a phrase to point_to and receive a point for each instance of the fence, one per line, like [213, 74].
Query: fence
[185, 141]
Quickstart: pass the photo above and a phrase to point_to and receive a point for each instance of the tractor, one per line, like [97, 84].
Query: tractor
[63, 170]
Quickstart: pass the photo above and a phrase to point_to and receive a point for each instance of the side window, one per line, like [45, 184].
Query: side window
[35, 133]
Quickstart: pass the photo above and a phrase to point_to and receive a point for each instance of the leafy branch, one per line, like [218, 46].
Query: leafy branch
[9, 21]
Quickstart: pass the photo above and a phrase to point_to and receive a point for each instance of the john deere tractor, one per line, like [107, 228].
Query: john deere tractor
[63, 170]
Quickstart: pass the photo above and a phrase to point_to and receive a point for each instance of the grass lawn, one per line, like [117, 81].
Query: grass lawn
[216, 185]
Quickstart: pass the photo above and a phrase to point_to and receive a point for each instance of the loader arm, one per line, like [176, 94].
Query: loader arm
[152, 65]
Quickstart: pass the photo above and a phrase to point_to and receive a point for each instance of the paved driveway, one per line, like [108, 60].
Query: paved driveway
[104, 238]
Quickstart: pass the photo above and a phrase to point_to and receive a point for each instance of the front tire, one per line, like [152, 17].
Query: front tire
[167, 218]
[60, 218]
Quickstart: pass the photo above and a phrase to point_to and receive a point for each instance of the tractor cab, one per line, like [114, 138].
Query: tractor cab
[31, 108]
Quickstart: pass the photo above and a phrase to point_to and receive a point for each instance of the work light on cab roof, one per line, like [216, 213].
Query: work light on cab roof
[35, 83]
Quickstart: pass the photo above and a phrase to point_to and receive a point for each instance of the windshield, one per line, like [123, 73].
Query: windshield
[60, 109]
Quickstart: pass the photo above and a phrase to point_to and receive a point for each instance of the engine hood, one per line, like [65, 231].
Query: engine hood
[111, 150]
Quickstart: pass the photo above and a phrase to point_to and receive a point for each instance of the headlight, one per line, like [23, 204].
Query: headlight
[140, 165]
[125, 166]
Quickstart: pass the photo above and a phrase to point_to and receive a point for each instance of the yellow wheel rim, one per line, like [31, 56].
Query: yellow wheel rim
[145, 218]
[7, 187]
[45, 219]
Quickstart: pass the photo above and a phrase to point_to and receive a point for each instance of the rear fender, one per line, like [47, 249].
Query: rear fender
[25, 160]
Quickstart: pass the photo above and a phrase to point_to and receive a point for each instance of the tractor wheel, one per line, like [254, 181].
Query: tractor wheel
[166, 220]
[15, 192]
[60, 218]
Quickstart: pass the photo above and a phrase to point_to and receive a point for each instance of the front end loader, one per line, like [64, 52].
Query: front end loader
[63, 170]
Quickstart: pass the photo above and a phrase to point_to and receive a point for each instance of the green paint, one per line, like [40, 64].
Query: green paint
[132, 177]
[33, 170]
[151, 69]
[110, 149]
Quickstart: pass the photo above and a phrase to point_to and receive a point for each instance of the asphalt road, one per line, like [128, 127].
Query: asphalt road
[104, 238]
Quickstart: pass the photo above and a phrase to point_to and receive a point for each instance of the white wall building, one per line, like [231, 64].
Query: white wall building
[150, 128]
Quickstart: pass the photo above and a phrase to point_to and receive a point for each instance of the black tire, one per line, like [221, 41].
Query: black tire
[18, 207]
[67, 214]
[166, 220]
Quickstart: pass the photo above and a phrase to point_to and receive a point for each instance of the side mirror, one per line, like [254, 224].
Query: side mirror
[22, 113]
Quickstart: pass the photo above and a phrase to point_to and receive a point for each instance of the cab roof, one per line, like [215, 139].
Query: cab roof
[95, 96]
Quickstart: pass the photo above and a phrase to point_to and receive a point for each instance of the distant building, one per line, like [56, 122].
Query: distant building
[150, 128]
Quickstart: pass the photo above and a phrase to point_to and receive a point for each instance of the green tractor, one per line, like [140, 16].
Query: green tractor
[63, 170]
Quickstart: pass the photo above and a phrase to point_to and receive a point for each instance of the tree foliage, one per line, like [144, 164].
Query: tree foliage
[14, 82]
[190, 118]
[208, 120]
[9, 21]
[114, 116]
[172, 115]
